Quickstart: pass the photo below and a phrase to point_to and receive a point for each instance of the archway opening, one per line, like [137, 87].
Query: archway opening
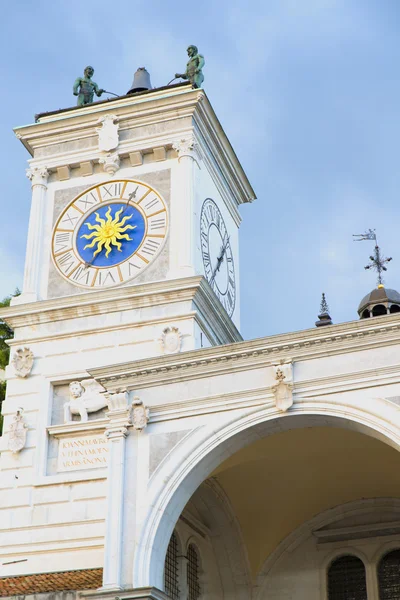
[275, 485]
[201, 455]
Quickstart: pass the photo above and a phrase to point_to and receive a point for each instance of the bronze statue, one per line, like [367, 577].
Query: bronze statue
[85, 88]
[193, 68]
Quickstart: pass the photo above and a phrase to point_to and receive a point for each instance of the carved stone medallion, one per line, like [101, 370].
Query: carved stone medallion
[108, 133]
[17, 433]
[140, 414]
[283, 388]
[171, 340]
[23, 361]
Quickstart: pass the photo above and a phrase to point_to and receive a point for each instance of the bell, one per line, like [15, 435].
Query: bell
[141, 81]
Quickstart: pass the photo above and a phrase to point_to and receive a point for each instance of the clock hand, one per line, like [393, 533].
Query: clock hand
[219, 260]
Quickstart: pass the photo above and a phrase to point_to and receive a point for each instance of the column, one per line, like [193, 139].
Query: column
[31, 285]
[119, 416]
[182, 239]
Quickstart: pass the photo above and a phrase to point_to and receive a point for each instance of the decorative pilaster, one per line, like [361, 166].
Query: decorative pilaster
[182, 239]
[38, 177]
[119, 415]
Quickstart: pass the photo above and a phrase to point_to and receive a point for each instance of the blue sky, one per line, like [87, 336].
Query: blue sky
[308, 92]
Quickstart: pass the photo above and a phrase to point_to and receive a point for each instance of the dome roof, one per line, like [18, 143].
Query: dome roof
[380, 294]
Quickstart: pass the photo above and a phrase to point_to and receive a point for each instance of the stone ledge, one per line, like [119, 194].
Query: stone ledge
[77, 427]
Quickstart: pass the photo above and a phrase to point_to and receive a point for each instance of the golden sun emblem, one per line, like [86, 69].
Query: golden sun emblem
[108, 232]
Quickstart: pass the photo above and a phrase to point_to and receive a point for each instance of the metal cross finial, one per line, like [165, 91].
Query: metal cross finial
[378, 262]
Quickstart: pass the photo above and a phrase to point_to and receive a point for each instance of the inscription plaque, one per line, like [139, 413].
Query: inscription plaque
[86, 452]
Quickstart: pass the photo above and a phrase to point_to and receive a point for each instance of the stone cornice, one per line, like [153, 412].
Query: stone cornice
[133, 112]
[305, 345]
[207, 311]
[311, 390]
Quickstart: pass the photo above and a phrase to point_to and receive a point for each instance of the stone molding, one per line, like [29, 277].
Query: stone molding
[263, 352]
[311, 391]
[77, 427]
[211, 316]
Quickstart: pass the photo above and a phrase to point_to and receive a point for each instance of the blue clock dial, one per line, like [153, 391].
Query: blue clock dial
[110, 234]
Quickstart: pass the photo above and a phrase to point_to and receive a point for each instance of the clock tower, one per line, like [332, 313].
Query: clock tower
[133, 233]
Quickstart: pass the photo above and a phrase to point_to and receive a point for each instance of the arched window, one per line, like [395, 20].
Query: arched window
[346, 579]
[389, 576]
[193, 568]
[379, 310]
[395, 308]
[171, 576]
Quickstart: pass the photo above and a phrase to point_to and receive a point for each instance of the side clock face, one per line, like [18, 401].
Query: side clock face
[109, 234]
[217, 255]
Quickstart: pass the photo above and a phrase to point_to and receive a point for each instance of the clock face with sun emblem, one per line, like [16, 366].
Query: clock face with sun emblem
[109, 234]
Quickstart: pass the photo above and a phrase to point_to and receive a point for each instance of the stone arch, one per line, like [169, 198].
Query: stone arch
[192, 461]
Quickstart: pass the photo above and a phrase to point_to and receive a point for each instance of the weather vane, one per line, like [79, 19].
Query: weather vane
[378, 262]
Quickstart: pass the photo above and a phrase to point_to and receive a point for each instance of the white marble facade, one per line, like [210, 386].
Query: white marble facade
[107, 491]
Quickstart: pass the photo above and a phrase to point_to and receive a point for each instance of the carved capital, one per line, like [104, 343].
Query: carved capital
[111, 162]
[117, 401]
[187, 147]
[38, 175]
[117, 432]
[119, 414]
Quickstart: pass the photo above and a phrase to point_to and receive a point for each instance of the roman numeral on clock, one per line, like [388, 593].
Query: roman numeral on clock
[89, 200]
[113, 190]
[150, 247]
[105, 277]
[151, 203]
[82, 274]
[62, 241]
[158, 224]
[66, 261]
